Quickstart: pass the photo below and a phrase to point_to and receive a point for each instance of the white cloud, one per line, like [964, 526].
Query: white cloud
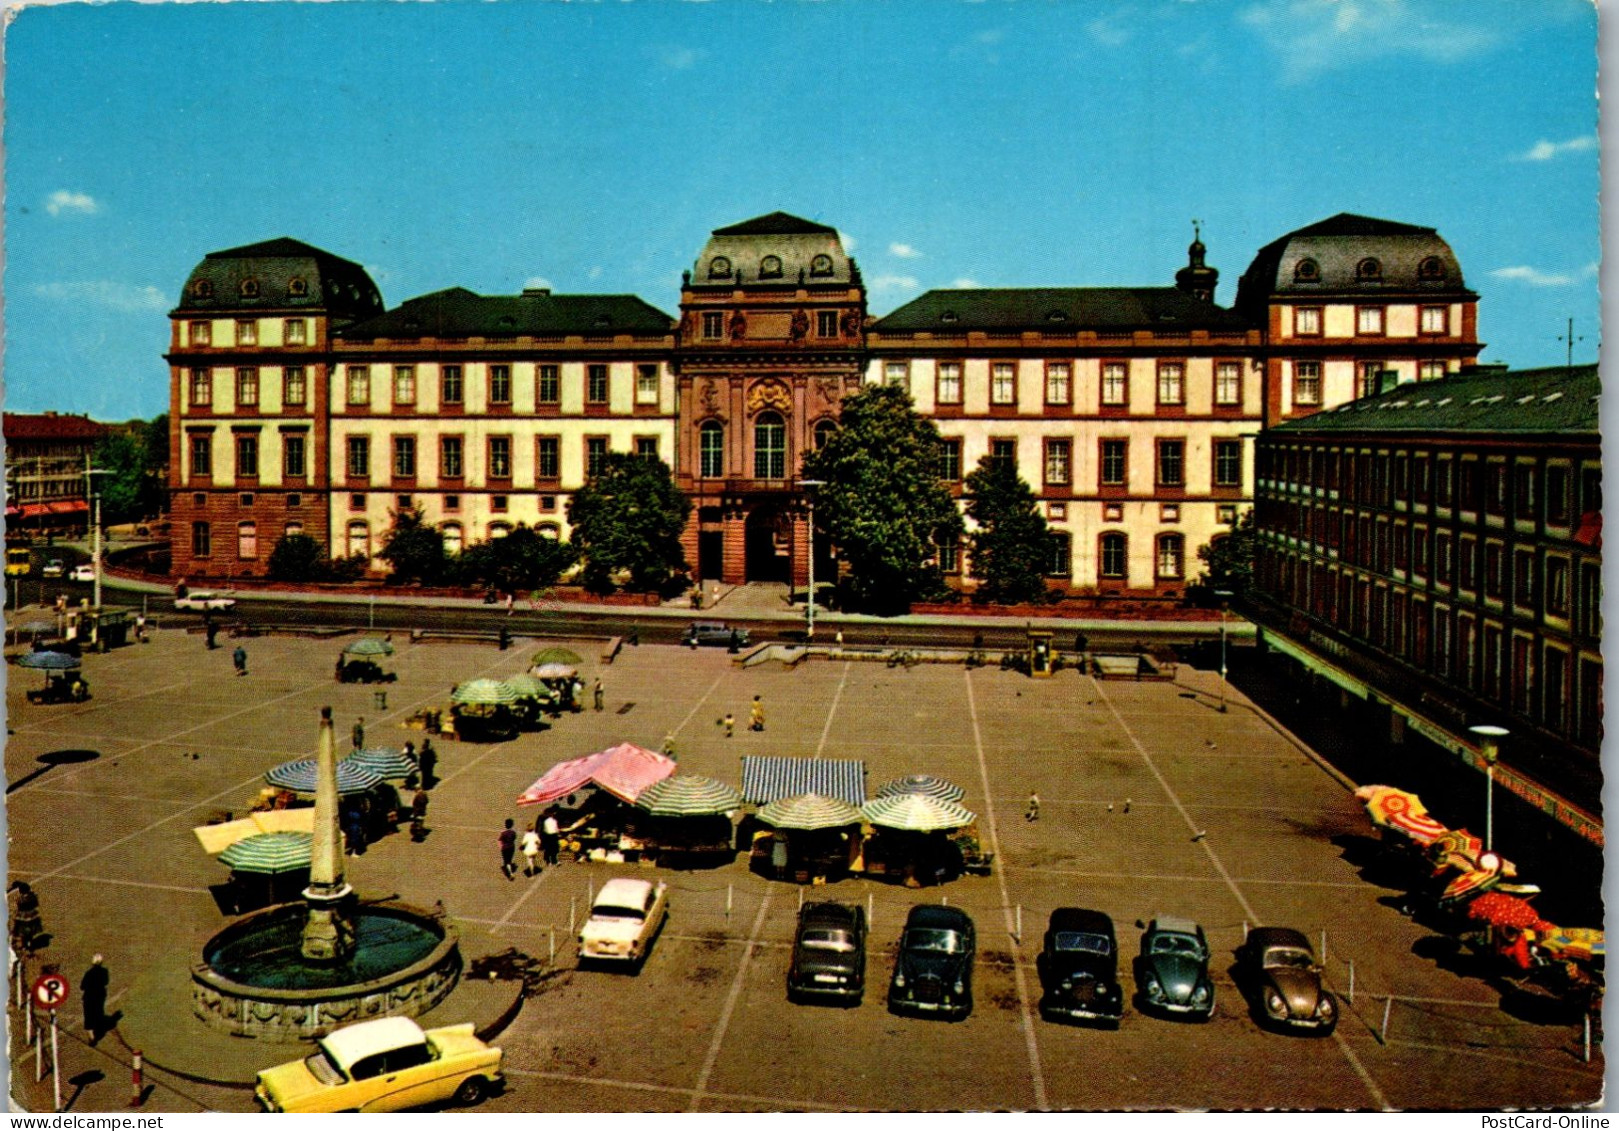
[537, 283]
[966, 284]
[594, 273]
[680, 58]
[1107, 31]
[1545, 150]
[894, 283]
[904, 251]
[1312, 36]
[62, 201]
[848, 242]
[1533, 276]
[125, 297]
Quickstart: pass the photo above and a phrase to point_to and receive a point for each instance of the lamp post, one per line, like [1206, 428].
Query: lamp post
[809, 486]
[1490, 743]
[95, 531]
[1224, 595]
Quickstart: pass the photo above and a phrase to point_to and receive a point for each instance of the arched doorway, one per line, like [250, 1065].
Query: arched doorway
[769, 544]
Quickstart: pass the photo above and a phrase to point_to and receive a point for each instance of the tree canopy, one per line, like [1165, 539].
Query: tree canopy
[883, 504]
[1228, 559]
[523, 559]
[414, 548]
[1011, 546]
[136, 459]
[627, 522]
[298, 558]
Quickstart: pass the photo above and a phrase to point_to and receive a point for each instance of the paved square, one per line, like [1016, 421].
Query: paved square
[172, 735]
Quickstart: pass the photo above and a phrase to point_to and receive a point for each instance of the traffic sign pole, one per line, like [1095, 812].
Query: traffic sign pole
[56, 1065]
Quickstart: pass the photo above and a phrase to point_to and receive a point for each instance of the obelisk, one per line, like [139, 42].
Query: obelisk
[328, 933]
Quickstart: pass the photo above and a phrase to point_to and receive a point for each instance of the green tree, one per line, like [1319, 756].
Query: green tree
[298, 558]
[1011, 547]
[523, 559]
[883, 504]
[414, 548]
[627, 522]
[1228, 559]
[135, 458]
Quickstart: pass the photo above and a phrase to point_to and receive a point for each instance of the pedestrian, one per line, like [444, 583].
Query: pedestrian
[550, 837]
[1032, 813]
[508, 850]
[577, 689]
[428, 762]
[418, 816]
[212, 630]
[26, 926]
[736, 643]
[505, 635]
[354, 831]
[93, 991]
[357, 736]
[239, 658]
[140, 627]
[511, 596]
[837, 638]
[756, 719]
[531, 852]
[598, 694]
[339, 673]
[778, 856]
[729, 723]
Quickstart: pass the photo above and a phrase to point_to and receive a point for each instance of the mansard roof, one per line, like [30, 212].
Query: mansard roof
[955, 311]
[774, 250]
[459, 313]
[281, 275]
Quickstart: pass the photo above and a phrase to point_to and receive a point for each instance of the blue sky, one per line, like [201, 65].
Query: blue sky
[594, 146]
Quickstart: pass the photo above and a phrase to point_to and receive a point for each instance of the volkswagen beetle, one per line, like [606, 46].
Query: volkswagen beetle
[1283, 978]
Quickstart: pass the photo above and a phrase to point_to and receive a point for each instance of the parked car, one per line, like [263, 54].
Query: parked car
[84, 571]
[202, 600]
[714, 633]
[1172, 971]
[829, 953]
[623, 921]
[385, 1065]
[934, 970]
[1283, 979]
[1079, 968]
[53, 568]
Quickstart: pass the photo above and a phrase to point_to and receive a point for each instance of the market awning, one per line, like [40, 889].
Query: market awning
[770, 779]
[624, 771]
[216, 838]
[34, 510]
[70, 506]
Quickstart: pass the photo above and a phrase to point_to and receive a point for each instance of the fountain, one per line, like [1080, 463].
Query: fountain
[300, 970]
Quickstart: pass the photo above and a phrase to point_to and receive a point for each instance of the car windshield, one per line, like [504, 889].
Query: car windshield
[611, 912]
[1289, 956]
[323, 1068]
[943, 942]
[1083, 942]
[1176, 944]
[827, 940]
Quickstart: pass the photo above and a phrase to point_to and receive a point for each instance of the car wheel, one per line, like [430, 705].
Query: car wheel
[472, 1091]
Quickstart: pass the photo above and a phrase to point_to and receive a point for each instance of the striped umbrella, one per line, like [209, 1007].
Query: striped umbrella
[809, 811]
[924, 784]
[484, 692]
[48, 661]
[270, 854]
[386, 762]
[369, 646]
[916, 812]
[554, 671]
[688, 795]
[529, 687]
[556, 656]
[299, 776]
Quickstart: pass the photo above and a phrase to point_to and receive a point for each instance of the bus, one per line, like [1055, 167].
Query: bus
[19, 561]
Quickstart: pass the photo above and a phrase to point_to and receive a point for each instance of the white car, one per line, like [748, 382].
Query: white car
[84, 571]
[202, 600]
[623, 921]
[53, 568]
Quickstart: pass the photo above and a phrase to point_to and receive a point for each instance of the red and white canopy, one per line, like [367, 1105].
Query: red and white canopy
[623, 770]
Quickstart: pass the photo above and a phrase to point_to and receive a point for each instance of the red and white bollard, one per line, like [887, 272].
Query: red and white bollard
[135, 1082]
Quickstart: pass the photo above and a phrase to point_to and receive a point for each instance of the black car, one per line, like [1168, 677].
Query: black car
[1079, 968]
[829, 954]
[1172, 971]
[714, 633]
[934, 970]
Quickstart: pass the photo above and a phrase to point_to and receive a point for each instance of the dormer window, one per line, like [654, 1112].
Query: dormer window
[770, 267]
[950, 316]
[821, 265]
[507, 322]
[1056, 316]
[202, 288]
[250, 288]
[1307, 271]
[603, 322]
[719, 268]
[297, 287]
[1369, 270]
[1431, 269]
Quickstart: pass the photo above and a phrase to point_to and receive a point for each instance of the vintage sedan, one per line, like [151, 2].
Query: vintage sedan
[1172, 971]
[934, 971]
[829, 954]
[84, 571]
[1280, 972]
[1079, 968]
[623, 921]
[385, 1065]
[714, 634]
[204, 600]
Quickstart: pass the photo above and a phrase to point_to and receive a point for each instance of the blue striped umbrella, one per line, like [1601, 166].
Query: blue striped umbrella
[386, 762]
[270, 854]
[299, 776]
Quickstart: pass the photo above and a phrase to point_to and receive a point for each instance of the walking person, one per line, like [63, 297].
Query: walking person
[140, 627]
[550, 837]
[729, 723]
[599, 694]
[1032, 813]
[427, 763]
[93, 991]
[357, 736]
[508, 850]
[212, 631]
[531, 853]
[418, 815]
[27, 928]
[239, 658]
[756, 717]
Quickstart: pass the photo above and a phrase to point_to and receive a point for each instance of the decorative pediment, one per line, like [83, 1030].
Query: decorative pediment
[772, 394]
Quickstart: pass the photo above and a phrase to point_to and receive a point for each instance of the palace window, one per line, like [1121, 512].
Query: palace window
[1307, 321]
[500, 457]
[1228, 463]
[1003, 383]
[1004, 453]
[1114, 454]
[646, 384]
[449, 457]
[1059, 382]
[404, 384]
[1115, 384]
[247, 387]
[1171, 557]
[500, 384]
[359, 453]
[769, 447]
[202, 542]
[596, 384]
[1059, 461]
[550, 384]
[294, 385]
[1114, 558]
[950, 460]
[595, 455]
[404, 457]
[548, 457]
[294, 332]
[1059, 562]
[1171, 463]
[826, 323]
[247, 455]
[202, 454]
[1369, 320]
[949, 382]
[200, 333]
[359, 384]
[450, 384]
[1306, 382]
[247, 332]
[1228, 383]
[711, 444]
[713, 325]
[1435, 320]
[247, 540]
[202, 388]
[293, 456]
[1171, 383]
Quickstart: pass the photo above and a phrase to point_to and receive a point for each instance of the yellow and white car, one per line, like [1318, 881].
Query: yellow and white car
[623, 921]
[385, 1065]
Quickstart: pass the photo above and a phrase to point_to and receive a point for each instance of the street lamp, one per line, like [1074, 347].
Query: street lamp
[95, 531]
[809, 486]
[1490, 743]
[1224, 595]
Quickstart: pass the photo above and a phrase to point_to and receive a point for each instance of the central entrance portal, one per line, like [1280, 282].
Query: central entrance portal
[769, 544]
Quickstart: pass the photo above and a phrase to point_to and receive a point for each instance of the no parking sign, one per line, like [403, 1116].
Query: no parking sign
[50, 991]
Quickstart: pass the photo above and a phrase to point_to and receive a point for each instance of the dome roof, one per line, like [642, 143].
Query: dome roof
[777, 249]
[1349, 255]
[284, 275]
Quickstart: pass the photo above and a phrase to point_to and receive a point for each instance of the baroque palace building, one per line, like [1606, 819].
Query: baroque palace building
[300, 404]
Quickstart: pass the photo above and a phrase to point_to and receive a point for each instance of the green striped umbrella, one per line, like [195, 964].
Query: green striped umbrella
[923, 783]
[557, 656]
[484, 692]
[529, 687]
[688, 795]
[386, 762]
[916, 812]
[369, 646]
[809, 811]
[269, 854]
[299, 777]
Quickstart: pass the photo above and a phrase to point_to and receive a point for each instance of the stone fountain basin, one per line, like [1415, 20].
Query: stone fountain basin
[254, 982]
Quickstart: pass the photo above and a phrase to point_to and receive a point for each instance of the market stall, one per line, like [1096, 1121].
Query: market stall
[913, 838]
[564, 683]
[482, 710]
[805, 839]
[534, 700]
[359, 662]
[686, 819]
[593, 797]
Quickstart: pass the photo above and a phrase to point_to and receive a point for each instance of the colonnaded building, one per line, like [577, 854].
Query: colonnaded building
[300, 403]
